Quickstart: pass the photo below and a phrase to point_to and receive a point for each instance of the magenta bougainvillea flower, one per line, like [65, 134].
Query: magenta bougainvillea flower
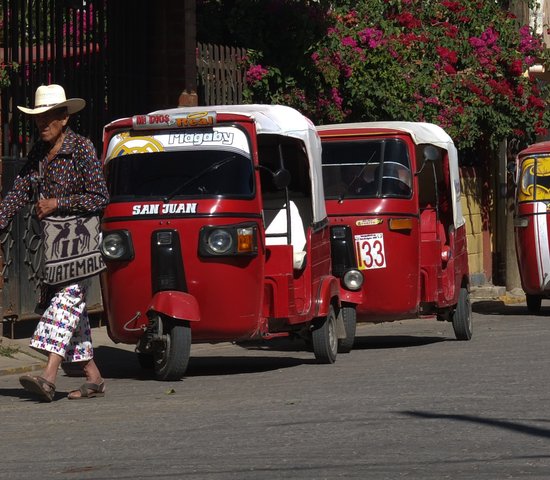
[459, 63]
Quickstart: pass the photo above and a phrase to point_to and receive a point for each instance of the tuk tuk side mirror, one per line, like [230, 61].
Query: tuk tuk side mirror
[431, 154]
[281, 178]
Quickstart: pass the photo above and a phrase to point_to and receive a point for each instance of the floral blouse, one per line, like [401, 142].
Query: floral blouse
[74, 176]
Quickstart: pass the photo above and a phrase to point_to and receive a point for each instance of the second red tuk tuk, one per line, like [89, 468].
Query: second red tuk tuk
[217, 231]
[531, 222]
[393, 193]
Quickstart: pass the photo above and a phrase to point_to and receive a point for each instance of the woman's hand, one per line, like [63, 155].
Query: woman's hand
[45, 207]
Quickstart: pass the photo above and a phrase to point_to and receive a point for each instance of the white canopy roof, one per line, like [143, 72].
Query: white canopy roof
[279, 120]
[421, 133]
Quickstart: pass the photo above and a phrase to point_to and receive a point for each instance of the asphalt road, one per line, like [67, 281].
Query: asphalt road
[408, 402]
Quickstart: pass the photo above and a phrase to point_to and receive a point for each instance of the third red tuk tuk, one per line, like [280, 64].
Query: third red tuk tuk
[531, 225]
[393, 191]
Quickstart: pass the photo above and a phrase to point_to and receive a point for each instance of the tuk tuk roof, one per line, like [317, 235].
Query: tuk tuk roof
[278, 120]
[535, 149]
[421, 133]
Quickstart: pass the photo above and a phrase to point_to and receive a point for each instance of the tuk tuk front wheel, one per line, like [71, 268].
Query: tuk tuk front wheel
[533, 303]
[171, 355]
[462, 316]
[324, 338]
[349, 316]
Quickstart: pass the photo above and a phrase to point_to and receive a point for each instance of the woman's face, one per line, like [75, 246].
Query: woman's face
[51, 123]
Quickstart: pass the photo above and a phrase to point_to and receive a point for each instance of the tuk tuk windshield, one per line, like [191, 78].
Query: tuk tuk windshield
[188, 173]
[366, 168]
[534, 182]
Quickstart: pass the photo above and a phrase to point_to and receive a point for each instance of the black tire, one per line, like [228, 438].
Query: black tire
[325, 341]
[170, 362]
[462, 316]
[533, 303]
[349, 317]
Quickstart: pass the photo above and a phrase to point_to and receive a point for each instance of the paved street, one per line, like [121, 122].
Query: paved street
[408, 402]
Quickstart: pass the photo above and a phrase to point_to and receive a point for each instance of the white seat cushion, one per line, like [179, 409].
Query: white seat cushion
[278, 226]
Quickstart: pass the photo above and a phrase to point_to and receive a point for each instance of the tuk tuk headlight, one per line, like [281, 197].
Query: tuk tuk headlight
[220, 241]
[353, 279]
[117, 245]
[229, 240]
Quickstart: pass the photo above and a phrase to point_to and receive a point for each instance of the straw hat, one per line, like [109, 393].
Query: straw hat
[48, 97]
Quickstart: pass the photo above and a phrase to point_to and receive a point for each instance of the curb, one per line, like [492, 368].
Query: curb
[28, 360]
[512, 299]
[24, 369]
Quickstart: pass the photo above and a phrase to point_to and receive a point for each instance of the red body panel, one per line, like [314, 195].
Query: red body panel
[214, 283]
[533, 248]
[394, 253]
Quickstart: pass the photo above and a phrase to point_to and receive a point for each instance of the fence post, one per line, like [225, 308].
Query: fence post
[1, 264]
[188, 99]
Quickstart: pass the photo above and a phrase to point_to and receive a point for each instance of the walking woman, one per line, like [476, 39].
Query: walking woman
[71, 182]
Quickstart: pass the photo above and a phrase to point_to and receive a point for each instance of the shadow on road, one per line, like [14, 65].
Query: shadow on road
[205, 366]
[370, 342]
[493, 422]
[22, 394]
[281, 344]
[117, 363]
[497, 307]
[375, 342]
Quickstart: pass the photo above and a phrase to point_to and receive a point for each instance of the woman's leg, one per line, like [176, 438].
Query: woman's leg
[81, 351]
[52, 367]
[53, 336]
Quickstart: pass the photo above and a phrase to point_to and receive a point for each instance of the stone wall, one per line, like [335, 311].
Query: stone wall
[477, 234]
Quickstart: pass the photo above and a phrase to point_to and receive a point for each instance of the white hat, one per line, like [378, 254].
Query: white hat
[52, 96]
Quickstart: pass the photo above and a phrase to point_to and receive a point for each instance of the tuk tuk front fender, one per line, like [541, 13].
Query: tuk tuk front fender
[348, 296]
[175, 304]
[329, 288]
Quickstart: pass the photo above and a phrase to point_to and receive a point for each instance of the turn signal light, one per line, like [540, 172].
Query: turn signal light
[400, 224]
[245, 240]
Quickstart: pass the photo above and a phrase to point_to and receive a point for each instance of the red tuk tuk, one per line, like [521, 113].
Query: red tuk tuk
[217, 231]
[393, 190]
[531, 224]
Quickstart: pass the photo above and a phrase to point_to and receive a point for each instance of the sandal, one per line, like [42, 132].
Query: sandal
[88, 390]
[37, 385]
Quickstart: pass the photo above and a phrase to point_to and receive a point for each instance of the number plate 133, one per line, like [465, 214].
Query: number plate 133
[369, 250]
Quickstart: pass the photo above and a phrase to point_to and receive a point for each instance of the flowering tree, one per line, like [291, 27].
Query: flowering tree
[459, 64]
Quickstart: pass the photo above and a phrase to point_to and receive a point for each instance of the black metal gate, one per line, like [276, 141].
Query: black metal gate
[52, 41]
[43, 42]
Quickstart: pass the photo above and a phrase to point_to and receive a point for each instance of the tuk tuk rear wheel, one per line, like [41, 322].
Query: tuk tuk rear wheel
[533, 303]
[324, 338]
[462, 316]
[171, 359]
[349, 316]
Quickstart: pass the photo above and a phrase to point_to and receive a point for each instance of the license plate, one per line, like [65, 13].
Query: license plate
[369, 250]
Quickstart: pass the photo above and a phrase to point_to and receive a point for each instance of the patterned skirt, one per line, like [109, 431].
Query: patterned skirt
[64, 328]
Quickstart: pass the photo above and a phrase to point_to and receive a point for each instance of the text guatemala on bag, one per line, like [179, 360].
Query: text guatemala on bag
[71, 248]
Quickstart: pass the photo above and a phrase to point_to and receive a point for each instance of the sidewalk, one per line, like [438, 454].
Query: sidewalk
[496, 293]
[25, 359]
